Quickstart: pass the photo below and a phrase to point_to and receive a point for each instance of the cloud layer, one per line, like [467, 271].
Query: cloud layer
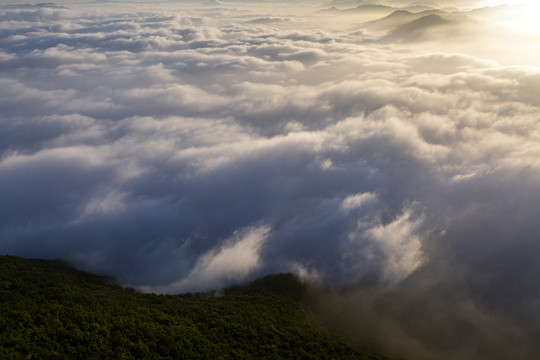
[188, 147]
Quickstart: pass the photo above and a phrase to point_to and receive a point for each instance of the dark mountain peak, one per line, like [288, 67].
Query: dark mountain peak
[430, 12]
[399, 14]
[366, 8]
[374, 7]
[424, 22]
[406, 14]
[331, 10]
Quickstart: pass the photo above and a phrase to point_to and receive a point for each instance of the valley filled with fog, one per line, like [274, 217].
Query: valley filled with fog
[389, 151]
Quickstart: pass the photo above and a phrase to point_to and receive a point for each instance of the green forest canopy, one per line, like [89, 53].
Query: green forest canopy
[50, 310]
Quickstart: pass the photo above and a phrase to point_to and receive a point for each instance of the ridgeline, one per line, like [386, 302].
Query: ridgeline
[52, 311]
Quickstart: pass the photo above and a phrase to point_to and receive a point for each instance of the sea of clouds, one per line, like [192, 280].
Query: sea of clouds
[186, 147]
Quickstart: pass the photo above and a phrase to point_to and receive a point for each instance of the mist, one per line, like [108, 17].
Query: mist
[188, 146]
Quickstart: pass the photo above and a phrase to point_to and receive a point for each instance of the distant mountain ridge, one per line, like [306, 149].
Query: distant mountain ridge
[359, 9]
[374, 8]
[400, 18]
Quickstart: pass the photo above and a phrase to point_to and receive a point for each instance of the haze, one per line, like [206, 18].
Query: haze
[187, 146]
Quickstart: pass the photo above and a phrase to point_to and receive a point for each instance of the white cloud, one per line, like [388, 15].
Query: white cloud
[401, 245]
[357, 200]
[232, 262]
[214, 118]
[135, 138]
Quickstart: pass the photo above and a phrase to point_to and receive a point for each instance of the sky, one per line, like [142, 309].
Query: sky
[187, 146]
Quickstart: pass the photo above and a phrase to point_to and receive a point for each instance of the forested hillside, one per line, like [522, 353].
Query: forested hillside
[51, 311]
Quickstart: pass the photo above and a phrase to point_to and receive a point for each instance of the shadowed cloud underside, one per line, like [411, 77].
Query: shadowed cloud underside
[183, 147]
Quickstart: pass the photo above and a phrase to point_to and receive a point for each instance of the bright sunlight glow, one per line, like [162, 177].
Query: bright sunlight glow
[524, 15]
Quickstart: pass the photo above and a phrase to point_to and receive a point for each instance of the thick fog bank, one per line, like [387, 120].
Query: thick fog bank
[185, 147]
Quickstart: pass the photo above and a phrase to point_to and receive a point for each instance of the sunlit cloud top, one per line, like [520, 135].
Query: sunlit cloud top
[184, 146]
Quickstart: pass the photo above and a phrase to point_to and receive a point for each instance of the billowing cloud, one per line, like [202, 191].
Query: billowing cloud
[183, 148]
[234, 261]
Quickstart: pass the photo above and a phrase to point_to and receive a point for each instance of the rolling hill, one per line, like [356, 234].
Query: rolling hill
[52, 311]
